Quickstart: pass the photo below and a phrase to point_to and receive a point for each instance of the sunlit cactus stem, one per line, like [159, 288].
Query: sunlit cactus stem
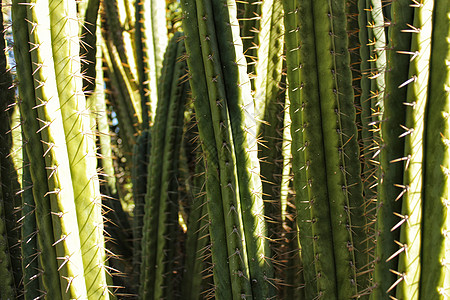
[61, 150]
[389, 200]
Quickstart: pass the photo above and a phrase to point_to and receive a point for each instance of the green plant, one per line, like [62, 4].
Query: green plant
[283, 149]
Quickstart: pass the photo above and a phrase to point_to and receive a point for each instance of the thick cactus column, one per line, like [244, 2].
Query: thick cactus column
[413, 181]
[61, 150]
[325, 152]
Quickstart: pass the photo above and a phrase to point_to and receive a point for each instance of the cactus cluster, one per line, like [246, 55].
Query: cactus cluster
[277, 149]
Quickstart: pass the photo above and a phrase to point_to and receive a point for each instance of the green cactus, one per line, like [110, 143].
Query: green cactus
[356, 91]
[436, 166]
[392, 148]
[30, 265]
[54, 109]
[10, 266]
[161, 203]
[151, 41]
[324, 148]
[233, 138]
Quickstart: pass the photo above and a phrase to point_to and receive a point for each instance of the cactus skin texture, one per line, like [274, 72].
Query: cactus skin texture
[30, 265]
[10, 268]
[139, 176]
[372, 84]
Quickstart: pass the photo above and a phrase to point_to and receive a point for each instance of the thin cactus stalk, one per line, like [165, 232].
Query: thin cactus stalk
[88, 40]
[151, 42]
[372, 68]
[250, 24]
[7, 289]
[141, 59]
[28, 226]
[139, 175]
[168, 226]
[117, 46]
[269, 105]
[121, 98]
[197, 239]
[117, 226]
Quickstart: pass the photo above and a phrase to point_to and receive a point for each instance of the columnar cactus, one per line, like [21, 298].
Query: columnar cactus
[368, 136]
[221, 92]
[325, 153]
[414, 155]
[161, 200]
[61, 150]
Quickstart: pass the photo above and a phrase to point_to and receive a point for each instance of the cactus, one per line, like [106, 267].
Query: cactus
[391, 148]
[230, 149]
[161, 203]
[324, 148]
[151, 41]
[436, 166]
[10, 267]
[356, 92]
[30, 265]
[62, 161]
